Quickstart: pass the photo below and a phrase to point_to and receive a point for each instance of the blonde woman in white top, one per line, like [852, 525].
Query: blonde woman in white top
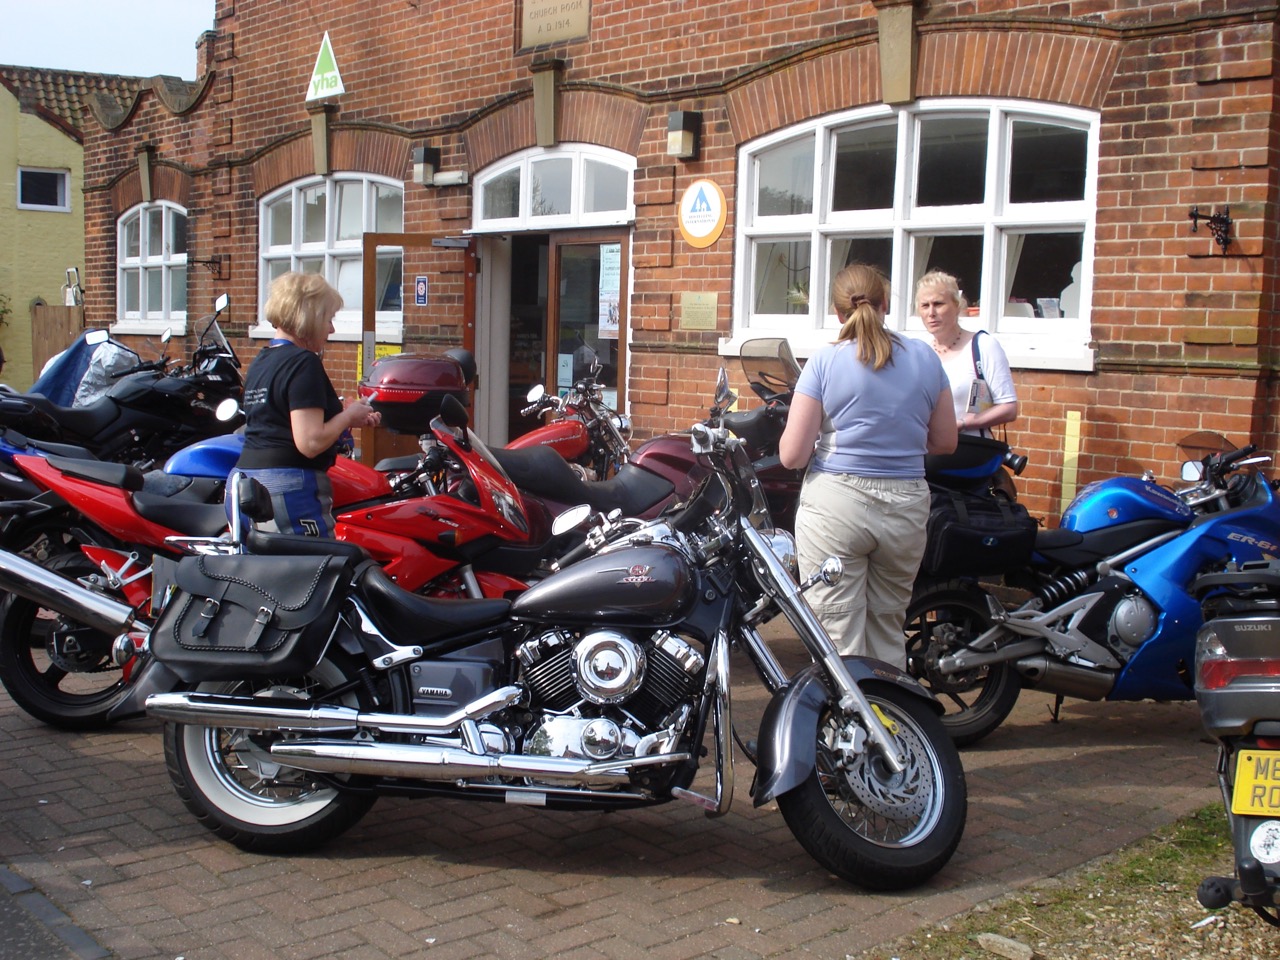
[981, 381]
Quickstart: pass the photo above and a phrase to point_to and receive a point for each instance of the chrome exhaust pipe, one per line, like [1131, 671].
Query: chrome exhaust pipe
[1066, 679]
[32, 581]
[254, 713]
[427, 762]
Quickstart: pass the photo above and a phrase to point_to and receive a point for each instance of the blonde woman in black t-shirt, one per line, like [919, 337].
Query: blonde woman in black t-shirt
[293, 416]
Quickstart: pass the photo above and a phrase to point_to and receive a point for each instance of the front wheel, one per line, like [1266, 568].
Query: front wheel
[881, 830]
[941, 620]
[233, 785]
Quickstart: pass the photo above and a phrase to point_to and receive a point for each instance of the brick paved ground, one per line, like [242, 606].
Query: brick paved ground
[92, 823]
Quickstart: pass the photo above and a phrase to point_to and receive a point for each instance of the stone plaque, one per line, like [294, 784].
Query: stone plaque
[550, 21]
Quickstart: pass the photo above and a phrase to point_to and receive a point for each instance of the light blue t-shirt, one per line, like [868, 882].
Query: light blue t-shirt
[874, 422]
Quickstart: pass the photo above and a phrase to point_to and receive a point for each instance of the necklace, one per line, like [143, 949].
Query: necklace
[940, 349]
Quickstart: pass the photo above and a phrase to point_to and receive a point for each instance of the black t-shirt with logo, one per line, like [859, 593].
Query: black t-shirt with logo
[284, 377]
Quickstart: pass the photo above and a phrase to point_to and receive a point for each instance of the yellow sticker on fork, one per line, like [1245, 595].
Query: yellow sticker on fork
[889, 725]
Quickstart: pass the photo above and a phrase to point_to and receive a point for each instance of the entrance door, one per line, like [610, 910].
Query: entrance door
[565, 308]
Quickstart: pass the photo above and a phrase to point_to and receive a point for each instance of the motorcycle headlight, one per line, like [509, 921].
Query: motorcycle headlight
[622, 423]
[783, 546]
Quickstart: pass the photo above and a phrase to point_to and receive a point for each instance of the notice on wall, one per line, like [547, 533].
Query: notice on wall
[697, 310]
[549, 21]
[610, 288]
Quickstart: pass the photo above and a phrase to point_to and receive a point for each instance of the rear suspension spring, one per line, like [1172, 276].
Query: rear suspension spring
[1055, 591]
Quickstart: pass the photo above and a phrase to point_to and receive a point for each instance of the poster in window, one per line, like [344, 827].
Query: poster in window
[610, 287]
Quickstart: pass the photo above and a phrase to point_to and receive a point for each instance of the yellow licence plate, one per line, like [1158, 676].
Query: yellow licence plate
[1256, 791]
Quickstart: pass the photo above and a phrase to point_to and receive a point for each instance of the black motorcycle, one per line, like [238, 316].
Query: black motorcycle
[1237, 684]
[318, 685]
[152, 409]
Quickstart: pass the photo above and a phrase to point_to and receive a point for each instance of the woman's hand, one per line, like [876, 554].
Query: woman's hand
[313, 434]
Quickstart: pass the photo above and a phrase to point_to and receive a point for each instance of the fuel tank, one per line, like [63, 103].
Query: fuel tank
[1117, 500]
[649, 586]
[567, 437]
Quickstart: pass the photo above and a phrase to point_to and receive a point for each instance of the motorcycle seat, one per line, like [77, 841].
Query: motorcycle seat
[544, 473]
[16, 439]
[86, 421]
[121, 475]
[397, 612]
[183, 516]
[1070, 548]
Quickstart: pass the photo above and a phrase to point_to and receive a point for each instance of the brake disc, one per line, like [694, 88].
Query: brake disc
[900, 796]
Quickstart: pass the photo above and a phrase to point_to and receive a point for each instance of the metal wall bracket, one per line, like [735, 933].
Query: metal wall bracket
[1219, 225]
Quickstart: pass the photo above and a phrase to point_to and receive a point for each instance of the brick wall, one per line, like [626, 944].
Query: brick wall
[1184, 335]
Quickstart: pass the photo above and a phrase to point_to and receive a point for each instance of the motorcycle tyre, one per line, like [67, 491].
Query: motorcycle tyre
[28, 685]
[42, 541]
[863, 860]
[252, 821]
[997, 691]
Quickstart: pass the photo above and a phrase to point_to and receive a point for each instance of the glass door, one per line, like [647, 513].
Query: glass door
[587, 311]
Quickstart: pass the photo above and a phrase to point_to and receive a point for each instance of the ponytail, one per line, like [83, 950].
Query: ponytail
[859, 294]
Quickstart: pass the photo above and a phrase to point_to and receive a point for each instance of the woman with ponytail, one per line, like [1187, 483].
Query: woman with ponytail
[866, 411]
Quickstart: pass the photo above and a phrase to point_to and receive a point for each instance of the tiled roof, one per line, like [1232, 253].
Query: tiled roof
[61, 96]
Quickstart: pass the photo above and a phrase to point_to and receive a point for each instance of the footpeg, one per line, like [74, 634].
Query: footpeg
[697, 799]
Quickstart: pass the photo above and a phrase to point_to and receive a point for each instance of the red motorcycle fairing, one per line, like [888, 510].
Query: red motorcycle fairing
[110, 507]
[354, 482]
[568, 437]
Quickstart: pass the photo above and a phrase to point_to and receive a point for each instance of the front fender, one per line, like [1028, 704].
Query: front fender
[787, 742]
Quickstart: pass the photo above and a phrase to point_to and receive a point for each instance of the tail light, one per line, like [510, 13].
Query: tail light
[1216, 667]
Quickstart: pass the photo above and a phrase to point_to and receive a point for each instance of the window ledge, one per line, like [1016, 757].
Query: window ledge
[150, 328]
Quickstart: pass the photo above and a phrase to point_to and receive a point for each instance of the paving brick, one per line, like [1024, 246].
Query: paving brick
[485, 880]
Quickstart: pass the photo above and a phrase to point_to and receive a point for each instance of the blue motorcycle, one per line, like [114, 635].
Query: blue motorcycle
[1103, 607]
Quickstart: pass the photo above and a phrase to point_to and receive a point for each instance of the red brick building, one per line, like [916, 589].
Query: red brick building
[1049, 154]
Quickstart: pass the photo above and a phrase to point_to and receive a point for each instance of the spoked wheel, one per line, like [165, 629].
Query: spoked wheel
[57, 670]
[233, 785]
[868, 825]
[940, 621]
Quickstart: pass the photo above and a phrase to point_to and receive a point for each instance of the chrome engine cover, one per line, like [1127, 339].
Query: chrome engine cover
[581, 738]
[608, 667]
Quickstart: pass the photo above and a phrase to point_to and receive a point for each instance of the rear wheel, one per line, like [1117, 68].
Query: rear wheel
[228, 778]
[941, 620]
[868, 825]
[57, 670]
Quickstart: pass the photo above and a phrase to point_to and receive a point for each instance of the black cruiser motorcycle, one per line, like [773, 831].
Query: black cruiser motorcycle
[318, 684]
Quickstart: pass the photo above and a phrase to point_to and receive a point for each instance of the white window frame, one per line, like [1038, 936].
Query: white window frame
[577, 215]
[1062, 344]
[64, 190]
[331, 252]
[149, 319]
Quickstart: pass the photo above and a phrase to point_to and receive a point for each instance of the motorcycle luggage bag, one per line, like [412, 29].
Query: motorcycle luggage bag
[976, 534]
[234, 617]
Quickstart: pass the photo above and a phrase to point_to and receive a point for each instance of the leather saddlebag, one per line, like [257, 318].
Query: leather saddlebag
[976, 534]
[243, 616]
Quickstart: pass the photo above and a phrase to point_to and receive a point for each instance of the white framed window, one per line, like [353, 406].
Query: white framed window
[317, 225]
[44, 189]
[573, 184]
[151, 269]
[1002, 194]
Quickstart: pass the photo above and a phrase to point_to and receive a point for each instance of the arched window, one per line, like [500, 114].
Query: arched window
[576, 185]
[317, 225]
[1000, 194]
[151, 269]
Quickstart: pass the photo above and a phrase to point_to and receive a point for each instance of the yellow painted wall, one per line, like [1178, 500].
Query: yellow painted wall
[36, 246]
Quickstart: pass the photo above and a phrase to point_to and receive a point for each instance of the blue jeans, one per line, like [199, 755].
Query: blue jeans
[301, 500]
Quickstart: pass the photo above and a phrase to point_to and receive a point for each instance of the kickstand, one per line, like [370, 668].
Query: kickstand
[1055, 712]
